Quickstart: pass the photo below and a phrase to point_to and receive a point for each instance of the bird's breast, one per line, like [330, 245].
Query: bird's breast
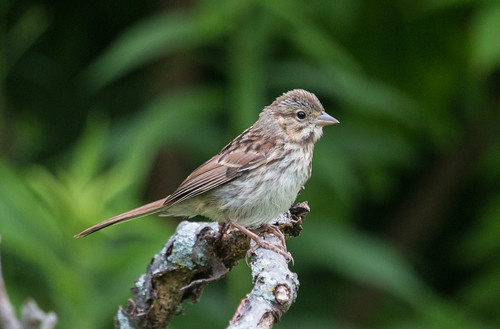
[261, 194]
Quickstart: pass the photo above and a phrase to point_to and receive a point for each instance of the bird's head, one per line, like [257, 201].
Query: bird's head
[297, 116]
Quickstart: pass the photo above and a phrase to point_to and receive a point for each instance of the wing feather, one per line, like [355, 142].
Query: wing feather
[232, 162]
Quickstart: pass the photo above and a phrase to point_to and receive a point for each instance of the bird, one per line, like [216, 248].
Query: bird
[255, 177]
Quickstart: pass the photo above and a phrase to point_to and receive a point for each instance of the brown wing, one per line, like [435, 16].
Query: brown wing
[232, 162]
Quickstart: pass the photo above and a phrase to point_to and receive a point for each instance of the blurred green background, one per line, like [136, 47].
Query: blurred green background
[105, 105]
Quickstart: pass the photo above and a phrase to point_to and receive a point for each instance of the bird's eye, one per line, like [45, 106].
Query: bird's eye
[301, 115]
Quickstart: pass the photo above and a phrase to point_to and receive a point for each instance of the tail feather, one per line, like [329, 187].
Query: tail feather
[141, 211]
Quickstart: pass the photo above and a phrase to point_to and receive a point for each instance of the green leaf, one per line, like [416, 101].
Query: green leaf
[361, 258]
[484, 36]
[155, 37]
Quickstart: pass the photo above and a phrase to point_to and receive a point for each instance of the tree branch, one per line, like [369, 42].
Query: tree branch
[200, 252]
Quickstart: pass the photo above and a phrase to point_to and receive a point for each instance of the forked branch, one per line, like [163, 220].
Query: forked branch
[200, 252]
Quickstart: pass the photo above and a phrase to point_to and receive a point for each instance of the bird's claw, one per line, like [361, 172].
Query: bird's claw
[280, 249]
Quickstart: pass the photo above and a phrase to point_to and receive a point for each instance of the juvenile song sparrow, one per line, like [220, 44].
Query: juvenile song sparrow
[254, 178]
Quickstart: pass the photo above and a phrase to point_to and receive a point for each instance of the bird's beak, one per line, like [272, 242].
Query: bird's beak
[325, 120]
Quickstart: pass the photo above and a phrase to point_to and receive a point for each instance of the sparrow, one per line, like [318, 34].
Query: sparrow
[255, 177]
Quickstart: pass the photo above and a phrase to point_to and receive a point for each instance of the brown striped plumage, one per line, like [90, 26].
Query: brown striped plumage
[255, 177]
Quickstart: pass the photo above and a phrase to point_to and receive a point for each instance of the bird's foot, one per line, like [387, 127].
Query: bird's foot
[260, 242]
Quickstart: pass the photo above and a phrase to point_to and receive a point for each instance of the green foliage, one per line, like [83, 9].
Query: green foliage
[404, 194]
[41, 211]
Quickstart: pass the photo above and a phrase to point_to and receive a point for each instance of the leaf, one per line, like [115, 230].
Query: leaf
[361, 258]
[308, 36]
[155, 37]
[485, 32]
[23, 35]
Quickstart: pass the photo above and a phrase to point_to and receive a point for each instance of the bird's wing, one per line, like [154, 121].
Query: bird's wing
[232, 162]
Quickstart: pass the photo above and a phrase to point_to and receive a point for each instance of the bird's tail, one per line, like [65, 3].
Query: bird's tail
[141, 211]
